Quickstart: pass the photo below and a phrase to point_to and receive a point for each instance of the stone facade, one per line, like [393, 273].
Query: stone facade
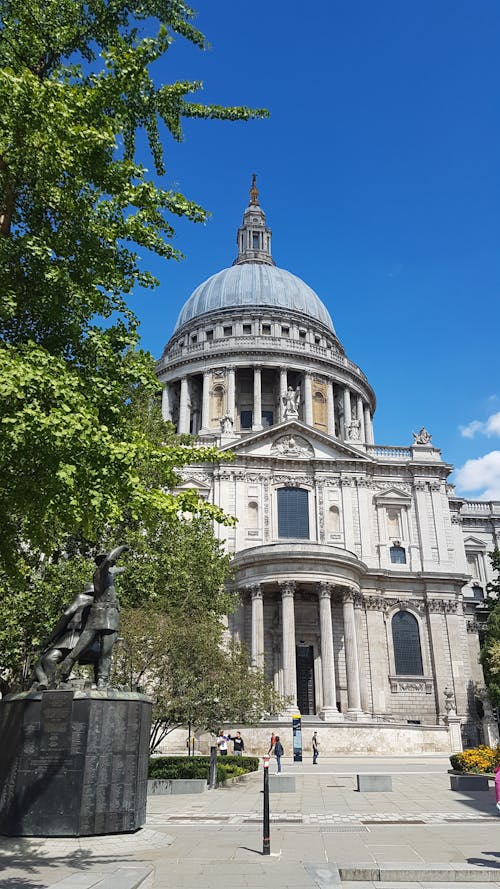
[359, 570]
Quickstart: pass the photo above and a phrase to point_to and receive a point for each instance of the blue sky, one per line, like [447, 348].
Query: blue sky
[379, 171]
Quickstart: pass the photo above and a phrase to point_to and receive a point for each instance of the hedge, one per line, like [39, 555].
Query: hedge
[198, 767]
[476, 760]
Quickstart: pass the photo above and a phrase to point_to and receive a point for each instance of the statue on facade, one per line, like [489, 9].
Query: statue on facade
[103, 619]
[354, 430]
[449, 703]
[291, 403]
[63, 639]
[421, 438]
[226, 425]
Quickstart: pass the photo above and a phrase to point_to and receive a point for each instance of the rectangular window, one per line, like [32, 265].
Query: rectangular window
[247, 329]
[256, 241]
[267, 419]
[285, 331]
[302, 334]
[246, 419]
[210, 335]
[228, 331]
[266, 328]
[293, 513]
[194, 338]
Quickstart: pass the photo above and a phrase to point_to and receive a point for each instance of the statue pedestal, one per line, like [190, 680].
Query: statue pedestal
[73, 763]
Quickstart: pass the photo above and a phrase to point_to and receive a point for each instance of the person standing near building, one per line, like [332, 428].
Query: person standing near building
[222, 743]
[238, 744]
[278, 751]
[315, 748]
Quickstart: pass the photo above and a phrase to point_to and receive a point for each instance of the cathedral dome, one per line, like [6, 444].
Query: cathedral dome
[254, 284]
[254, 280]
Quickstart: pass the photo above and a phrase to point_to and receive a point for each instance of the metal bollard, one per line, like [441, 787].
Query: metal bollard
[212, 771]
[266, 832]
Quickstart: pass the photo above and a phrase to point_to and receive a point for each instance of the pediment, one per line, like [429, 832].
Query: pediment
[473, 543]
[393, 497]
[295, 441]
[198, 482]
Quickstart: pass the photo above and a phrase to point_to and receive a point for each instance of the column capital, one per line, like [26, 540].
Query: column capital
[255, 591]
[287, 588]
[348, 595]
[325, 590]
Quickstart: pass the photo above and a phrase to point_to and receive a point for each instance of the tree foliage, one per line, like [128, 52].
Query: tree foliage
[76, 207]
[191, 675]
[490, 652]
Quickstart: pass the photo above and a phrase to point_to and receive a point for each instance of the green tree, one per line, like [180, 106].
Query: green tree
[490, 651]
[75, 207]
[191, 675]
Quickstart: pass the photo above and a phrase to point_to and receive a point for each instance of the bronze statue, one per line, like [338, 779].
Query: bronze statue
[103, 620]
[64, 637]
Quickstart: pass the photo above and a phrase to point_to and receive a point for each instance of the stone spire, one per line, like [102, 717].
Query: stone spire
[254, 238]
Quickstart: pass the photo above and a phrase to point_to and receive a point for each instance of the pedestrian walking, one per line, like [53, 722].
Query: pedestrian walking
[278, 751]
[497, 786]
[271, 745]
[315, 748]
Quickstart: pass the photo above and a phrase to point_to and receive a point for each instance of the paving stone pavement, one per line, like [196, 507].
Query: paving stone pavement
[421, 835]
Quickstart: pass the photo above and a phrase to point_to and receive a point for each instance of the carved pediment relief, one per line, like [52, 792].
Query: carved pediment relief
[291, 446]
[393, 497]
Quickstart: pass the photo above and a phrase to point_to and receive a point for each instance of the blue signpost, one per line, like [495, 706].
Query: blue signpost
[297, 738]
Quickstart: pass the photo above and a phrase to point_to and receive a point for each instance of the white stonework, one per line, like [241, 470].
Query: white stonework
[360, 573]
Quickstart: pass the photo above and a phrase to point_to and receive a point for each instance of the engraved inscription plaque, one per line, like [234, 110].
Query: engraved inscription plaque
[73, 763]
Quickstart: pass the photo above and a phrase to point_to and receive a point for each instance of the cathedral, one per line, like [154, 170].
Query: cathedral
[359, 571]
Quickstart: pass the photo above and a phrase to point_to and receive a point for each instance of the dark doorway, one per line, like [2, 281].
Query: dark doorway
[305, 680]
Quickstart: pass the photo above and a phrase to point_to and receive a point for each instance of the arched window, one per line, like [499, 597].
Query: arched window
[293, 513]
[333, 520]
[406, 642]
[398, 555]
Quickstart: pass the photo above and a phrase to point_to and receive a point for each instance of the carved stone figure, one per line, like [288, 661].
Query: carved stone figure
[291, 402]
[291, 446]
[64, 637]
[353, 431]
[449, 704]
[421, 438]
[103, 619]
[226, 425]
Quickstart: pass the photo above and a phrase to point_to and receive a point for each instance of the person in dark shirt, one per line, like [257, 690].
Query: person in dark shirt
[238, 744]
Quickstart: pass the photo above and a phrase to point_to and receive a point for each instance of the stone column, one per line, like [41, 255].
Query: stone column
[351, 657]
[257, 400]
[361, 418]
[166, 411]
[257, 648]
[330, 711]
[368, 426]
[283, 388]
[308, 405]
[347, 411]
[288, 646]
[231, 372]
[183, 407]
[205, 402]
[330, 407]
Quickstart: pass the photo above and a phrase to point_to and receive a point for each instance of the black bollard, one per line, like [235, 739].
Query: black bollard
[212, 771]
[266, 831]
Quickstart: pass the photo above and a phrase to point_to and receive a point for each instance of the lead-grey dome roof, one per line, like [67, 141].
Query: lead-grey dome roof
[254, 284]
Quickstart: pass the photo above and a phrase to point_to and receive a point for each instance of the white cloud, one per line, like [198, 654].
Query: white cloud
[470, 430]
[490, 427]
[481, 474]
[493, 424]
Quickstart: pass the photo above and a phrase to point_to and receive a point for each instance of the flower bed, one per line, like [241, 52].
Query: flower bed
[476, 761]
[198, 766]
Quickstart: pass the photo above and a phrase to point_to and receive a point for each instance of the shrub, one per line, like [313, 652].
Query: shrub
[198, 767]
[477, 760]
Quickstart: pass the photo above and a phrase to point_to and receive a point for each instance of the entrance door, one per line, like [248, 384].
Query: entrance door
[305, 680]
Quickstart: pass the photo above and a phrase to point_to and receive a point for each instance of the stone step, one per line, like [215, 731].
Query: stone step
[122, 878]
[406, 872]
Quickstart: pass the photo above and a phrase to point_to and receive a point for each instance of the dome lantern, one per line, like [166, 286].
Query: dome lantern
[254, 237]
